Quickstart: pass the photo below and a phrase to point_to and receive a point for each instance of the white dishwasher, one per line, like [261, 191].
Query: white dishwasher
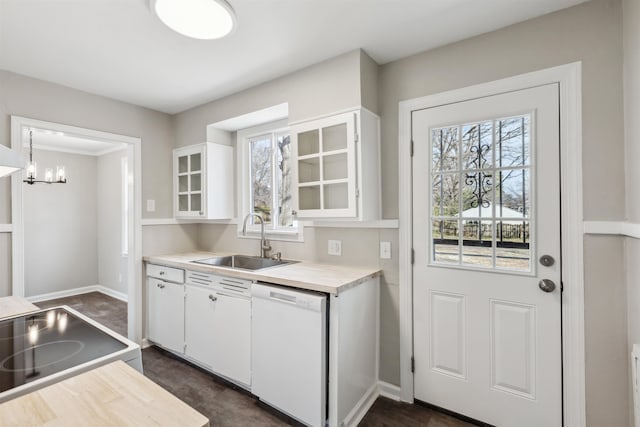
[289, 351]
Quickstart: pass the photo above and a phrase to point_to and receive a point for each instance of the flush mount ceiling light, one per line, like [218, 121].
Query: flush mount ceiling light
[199, 19]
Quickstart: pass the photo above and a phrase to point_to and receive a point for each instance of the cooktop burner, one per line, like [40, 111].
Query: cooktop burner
[40, 344]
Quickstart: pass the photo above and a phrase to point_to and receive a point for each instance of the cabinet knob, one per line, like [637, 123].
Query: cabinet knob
[213, 298]
[162, 273]
[160, 285]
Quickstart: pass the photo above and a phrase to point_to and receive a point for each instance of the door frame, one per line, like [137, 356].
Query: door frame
[569, 78]
[134, 262]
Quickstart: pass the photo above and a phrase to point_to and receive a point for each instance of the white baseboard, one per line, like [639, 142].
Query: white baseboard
[145, 343]
[389, 391]
[362, 407]
[112, 293]
[79, 291]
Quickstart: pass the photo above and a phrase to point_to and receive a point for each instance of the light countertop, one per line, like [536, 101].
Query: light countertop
[111, 395]
[13, 306]
[331, 279]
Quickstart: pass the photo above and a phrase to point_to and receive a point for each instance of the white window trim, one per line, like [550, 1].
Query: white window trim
[244, 197]
[124, 206]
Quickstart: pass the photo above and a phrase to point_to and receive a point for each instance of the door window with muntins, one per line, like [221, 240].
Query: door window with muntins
[481, 204]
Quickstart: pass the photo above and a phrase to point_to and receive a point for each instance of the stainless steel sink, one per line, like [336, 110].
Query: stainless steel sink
[243, 262]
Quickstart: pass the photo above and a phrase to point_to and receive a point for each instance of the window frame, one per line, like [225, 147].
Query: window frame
[124, 211]
[243, 143]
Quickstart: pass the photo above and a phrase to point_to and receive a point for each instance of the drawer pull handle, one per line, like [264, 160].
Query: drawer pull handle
[213, 298]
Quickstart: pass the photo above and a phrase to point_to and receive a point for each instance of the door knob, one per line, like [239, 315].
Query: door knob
[547, 285]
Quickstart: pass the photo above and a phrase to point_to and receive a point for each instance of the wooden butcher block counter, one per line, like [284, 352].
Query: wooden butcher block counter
[111, 395]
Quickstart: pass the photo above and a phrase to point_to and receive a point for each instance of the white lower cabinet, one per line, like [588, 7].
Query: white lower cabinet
[165, 314]
[218, 331]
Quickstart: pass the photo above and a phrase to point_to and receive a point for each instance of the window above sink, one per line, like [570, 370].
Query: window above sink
[264, 181]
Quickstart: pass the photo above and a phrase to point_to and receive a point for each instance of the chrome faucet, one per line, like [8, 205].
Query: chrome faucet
[265, 247]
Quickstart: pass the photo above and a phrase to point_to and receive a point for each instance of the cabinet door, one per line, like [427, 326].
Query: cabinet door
[165, 314]
[189, 181]
[324, 169]
[231, 332]
[218, 332]
[200, 308]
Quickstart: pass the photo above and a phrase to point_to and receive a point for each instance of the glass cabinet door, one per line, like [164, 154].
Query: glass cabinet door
[189, 183]
[325, 163]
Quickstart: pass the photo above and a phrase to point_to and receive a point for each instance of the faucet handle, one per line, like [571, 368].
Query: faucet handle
[277, 256]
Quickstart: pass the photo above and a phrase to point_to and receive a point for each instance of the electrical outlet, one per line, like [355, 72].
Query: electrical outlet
[385, 250]
[335, 247]
[151, 205]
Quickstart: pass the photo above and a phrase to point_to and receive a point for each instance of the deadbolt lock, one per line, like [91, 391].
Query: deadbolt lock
[547, 260]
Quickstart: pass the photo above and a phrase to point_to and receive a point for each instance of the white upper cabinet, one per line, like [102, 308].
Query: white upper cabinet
[336, 167]
[203, 181]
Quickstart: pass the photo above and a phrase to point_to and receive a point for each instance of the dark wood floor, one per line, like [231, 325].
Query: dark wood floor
[223, 403]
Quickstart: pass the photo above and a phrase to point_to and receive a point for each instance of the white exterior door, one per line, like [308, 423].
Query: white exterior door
[486, 208]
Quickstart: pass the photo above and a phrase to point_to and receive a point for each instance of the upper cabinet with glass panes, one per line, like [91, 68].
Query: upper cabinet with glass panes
[336, 167]
[203, 181]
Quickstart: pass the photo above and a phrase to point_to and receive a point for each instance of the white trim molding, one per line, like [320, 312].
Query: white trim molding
[79, 291]
[390, 391]
[6, 228]
[614, 228]
[569, 78]
[379, 224]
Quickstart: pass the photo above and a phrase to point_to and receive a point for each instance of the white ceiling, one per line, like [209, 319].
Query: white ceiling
[119, 49]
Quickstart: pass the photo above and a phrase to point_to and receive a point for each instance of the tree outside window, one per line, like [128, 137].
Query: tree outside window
[270, 168]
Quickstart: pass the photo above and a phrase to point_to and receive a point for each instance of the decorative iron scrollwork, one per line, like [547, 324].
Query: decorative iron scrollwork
[482, 185]
[480, 182]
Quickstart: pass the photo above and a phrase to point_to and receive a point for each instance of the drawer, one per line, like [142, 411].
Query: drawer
[169, 274]
[199, 278]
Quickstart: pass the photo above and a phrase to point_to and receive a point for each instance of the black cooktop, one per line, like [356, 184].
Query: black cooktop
[40, 344]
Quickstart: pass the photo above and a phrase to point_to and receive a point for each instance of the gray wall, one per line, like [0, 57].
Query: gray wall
[27, 97]
[631, 36]
[37, 99]
[60, 226]
[631, 26]
[112, 265]
[314, 91]
[589, 32]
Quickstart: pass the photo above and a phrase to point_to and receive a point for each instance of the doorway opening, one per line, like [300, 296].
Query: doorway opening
[85, 230]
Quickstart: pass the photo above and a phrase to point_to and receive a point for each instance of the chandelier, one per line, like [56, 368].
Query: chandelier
[32, 171]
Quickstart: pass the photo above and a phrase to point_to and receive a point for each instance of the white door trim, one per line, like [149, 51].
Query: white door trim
[134, 314]
[569, 77]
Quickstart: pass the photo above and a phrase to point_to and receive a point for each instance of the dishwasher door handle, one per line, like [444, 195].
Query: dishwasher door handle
[291, 299]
